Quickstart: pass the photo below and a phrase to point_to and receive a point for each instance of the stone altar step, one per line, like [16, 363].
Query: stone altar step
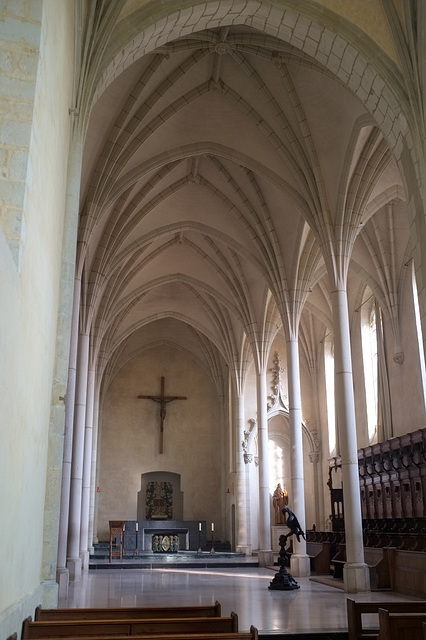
[99, 559]
[101, 549]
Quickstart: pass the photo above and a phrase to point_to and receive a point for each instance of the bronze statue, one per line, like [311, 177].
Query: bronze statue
[293, 524]
[283, 580]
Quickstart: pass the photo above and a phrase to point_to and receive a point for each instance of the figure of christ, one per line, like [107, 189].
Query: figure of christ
[163, 400]
[279, 501]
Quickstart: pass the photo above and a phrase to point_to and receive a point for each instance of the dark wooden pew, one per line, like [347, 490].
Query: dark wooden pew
[129, 613]
[401, 626]
[319, 555]
[375, 559]
[147, 626]
[377, 562]
[253, 634]
[338, 560]
[355, 611]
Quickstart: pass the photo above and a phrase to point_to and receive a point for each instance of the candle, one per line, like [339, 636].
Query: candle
[124, 527]
[137, 526]
[199, 526]
[212, 526]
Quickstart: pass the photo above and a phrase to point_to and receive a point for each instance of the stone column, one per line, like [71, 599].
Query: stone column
[62, 572]
[266, 556]
[355, 572]
[314, 458]
[243, 521]
[87, 469]
[299, 563]
[91, 536]
[74, 560]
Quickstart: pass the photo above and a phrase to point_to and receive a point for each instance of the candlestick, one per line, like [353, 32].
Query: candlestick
[199, 538]
[136, 550]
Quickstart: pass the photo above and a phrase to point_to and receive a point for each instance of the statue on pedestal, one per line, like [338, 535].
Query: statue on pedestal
[279, 501]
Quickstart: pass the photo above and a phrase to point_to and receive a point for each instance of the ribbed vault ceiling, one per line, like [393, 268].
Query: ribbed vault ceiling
[214, 169]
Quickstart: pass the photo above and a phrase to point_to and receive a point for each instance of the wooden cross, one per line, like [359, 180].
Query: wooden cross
[163, 400]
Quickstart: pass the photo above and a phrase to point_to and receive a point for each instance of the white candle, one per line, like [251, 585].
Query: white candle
[199, 526]
[212, 526]
[137, 526]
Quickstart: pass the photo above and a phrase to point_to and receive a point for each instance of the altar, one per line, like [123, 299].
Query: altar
[139, 534]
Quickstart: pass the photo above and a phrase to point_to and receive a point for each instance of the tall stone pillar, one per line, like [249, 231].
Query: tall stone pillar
[93, 471]
[314, 458]
[74, 560]
[243, 520]
[87, 468]
[266, 556]
[355, 572]
[62, 572]
[299, 563]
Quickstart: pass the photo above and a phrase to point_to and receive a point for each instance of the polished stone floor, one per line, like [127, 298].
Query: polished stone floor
[311, 608]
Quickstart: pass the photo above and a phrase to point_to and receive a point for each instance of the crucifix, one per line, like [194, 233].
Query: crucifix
[162, 400]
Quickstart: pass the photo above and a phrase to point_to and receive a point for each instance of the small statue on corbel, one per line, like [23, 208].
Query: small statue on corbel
[248, 457]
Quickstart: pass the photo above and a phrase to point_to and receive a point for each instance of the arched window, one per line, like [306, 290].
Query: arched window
[369, 321]
[419, 332]
[329, 387]
[276, 465]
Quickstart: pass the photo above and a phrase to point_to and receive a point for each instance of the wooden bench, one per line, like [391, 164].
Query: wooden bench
[338, 561]
[378, 564]
[319, 555]
[147, 626]
[129, 613]
[356, 610]
[401, 626]
[253, 634]
[375, 559]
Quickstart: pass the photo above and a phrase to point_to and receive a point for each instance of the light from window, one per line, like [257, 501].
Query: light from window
[369, 354]
[419, 333]
[329, 387]
[276, 466]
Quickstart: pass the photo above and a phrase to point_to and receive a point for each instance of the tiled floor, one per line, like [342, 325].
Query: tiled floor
[244, 590]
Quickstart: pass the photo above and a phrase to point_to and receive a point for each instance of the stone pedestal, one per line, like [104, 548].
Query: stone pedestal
[266, 558]
[84, 555]
[300, 565]
[246, 549]
[74, 568]
[356, 578]
[63, 580]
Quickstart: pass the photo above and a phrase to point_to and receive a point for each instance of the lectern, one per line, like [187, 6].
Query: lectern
[116, 533]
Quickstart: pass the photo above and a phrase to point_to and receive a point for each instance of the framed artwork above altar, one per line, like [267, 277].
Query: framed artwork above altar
[160, 497]
[159, 500]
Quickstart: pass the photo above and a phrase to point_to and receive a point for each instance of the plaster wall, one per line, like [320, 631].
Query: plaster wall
[28, 317]
[193, 438]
